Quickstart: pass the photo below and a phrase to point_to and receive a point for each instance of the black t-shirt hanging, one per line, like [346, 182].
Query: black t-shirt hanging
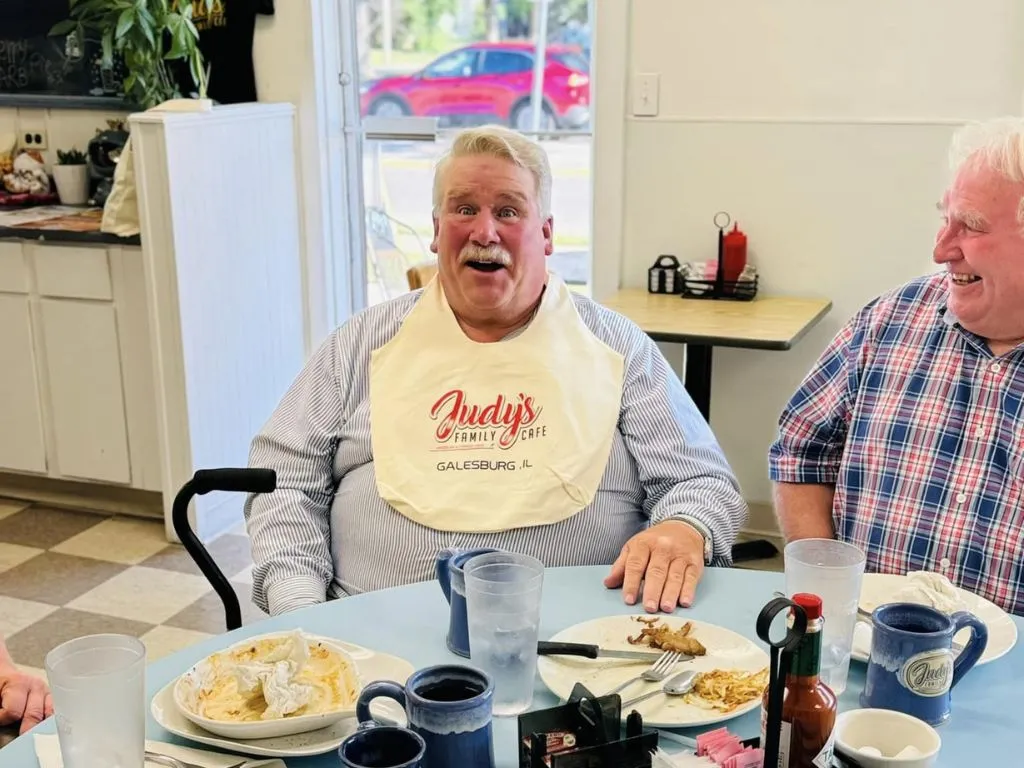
[225, 39]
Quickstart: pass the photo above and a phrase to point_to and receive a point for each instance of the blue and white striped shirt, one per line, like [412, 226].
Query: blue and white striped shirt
[326, 533]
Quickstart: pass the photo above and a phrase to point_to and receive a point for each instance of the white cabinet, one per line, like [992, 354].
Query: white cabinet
[83, 370]
[76, 388]
[21, 417]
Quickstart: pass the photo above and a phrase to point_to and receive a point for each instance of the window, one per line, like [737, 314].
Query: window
[506, 63]
[457, 64]
[441, 74]
[573, 61]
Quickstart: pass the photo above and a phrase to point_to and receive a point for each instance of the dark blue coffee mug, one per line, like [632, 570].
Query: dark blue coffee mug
[382, 746]
[449, 566]
[912, 668]
[449, 706]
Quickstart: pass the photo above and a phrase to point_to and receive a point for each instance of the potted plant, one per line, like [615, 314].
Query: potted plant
[150, 37]
[71, 175]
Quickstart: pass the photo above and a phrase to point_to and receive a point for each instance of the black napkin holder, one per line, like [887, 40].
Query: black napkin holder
[585, 732]
[665, 276]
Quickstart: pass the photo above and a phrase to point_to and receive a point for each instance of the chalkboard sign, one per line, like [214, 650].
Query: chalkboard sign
[38, 70]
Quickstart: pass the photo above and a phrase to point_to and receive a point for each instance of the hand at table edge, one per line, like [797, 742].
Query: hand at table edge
[668, 558]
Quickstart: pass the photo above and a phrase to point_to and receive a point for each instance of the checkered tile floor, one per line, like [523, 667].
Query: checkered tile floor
[64, 574]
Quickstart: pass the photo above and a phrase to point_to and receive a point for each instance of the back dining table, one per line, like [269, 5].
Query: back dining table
[411, 622]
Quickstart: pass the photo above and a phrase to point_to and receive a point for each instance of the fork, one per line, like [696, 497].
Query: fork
[655, 673]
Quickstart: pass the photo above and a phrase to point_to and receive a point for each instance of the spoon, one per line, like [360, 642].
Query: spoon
[674, 686]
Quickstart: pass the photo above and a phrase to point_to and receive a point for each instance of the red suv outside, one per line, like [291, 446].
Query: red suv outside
[486, 82]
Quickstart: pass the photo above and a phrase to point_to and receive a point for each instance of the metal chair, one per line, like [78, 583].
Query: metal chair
[204, 481]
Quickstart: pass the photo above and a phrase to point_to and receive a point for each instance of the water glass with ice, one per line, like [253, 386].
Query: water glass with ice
[98, 684]
[833, 570]
[503, 591]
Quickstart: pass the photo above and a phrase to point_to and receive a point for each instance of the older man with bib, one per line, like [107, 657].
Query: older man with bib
[494, 408]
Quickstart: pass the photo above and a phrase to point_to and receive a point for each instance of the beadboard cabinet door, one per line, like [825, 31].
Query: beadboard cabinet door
[22, 445]
[83, 377]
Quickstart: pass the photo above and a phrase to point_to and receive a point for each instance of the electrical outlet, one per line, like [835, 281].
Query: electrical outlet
[32, 136]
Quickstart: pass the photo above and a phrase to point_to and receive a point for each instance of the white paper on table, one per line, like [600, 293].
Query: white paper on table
[48, 755]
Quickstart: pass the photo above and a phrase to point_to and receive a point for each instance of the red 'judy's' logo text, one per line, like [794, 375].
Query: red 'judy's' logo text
[502, 422]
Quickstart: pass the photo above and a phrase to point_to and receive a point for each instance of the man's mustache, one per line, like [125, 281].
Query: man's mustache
[487, 254]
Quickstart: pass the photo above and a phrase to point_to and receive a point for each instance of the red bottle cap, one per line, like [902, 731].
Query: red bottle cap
[810, 603]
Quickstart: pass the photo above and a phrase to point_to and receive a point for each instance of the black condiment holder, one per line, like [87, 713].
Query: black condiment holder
[720, 288]
[595, 726]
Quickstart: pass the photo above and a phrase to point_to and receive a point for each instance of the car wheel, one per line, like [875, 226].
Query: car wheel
[522, 117]
[389, 106]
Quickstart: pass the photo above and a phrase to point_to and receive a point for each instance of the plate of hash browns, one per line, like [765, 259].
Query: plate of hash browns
[732, 670]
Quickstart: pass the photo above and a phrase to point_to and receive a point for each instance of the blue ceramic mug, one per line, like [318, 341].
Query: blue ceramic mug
[449, 566]
[449, 706]
[912, 668]
[382, 746]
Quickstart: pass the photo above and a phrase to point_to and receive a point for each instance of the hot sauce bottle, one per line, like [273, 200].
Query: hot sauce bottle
[808, 705]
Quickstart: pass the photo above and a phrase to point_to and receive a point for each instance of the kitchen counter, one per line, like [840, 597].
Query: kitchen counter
[59, 224]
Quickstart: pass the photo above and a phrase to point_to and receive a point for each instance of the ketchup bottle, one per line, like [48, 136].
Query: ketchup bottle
[734, 254]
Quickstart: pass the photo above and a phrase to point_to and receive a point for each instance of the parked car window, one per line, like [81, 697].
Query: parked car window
[456, 64]
[573, 61]
[506, 63]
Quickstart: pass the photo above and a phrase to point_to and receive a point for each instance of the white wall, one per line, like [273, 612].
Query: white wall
[65, 127]
[821, 126]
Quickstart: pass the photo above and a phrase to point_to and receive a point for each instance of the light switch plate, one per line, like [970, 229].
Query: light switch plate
[645, 95]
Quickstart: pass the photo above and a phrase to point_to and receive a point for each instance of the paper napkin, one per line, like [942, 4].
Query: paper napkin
[48, 754]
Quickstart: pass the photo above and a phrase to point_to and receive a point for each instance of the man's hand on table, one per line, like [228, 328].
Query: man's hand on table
[668, 558]
[23, 698]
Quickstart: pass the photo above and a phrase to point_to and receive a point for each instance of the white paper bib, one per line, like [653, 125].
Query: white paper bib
[476, 437]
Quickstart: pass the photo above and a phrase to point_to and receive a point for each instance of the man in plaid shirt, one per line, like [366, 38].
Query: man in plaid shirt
[907, 436]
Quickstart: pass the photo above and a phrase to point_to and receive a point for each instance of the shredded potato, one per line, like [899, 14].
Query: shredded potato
[725, 690]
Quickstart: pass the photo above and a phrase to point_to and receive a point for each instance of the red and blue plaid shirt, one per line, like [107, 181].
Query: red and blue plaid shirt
[921, 430]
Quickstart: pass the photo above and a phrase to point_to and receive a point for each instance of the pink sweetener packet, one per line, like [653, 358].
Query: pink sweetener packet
[705, 739]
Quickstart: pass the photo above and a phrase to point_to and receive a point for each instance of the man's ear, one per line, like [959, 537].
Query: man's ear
[433, 243]
[549, 235]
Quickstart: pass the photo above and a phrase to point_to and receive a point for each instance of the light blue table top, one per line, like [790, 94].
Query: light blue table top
[411, 622]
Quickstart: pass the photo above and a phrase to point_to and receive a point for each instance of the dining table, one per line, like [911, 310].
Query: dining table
[765, 322]
[411, 622]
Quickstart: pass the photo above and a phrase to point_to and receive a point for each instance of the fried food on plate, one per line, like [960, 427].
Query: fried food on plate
[658, 635]
[726, 689]
[273, 677]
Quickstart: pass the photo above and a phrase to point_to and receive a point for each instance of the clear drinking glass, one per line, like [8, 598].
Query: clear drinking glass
[99, 701]
[832, 570]
[503, 593]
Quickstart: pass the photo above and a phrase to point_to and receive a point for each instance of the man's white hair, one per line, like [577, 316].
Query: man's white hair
[504, 143]
[997, 144]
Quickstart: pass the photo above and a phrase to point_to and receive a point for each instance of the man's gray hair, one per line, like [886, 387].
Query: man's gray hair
[504, 143]
[997, 144]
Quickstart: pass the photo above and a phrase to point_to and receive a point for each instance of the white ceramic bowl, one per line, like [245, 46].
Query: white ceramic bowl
[266, 729]
[889, 732]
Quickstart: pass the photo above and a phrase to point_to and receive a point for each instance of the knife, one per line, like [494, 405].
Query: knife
[548, 648]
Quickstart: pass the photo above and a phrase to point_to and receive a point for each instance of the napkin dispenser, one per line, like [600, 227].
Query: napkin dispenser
[585, 732]
[665, 276]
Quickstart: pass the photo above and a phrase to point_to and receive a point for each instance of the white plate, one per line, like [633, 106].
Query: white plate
[725, 650]
[878, 588]
[371, 665]
[281, 726]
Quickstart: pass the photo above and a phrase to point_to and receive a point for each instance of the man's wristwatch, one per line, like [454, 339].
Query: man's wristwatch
[703, 530]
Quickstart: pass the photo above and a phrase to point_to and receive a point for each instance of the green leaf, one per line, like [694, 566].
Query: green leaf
[125, 22]
[64, 27]
[108, 49]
